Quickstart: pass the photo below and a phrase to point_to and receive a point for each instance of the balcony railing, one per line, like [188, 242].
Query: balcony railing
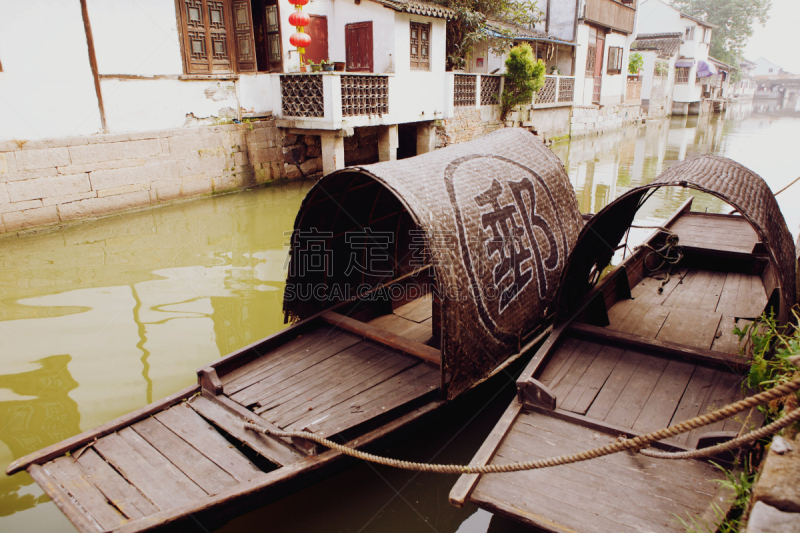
[611, 13]
[633, 93]
[490, 89]
[302, 96]
[365, 95]
[465, 90]
[557, 90]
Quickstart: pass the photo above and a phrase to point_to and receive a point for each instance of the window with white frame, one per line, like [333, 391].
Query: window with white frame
[682, 74]
[689, 34]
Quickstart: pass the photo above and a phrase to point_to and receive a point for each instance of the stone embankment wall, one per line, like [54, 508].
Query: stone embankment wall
[465, 126]
[587, 120]
[55, 181]
[777, 491]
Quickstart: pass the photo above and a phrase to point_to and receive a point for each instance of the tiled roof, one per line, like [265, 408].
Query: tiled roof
[699, 21]
[419, 8]
[667, 44]
[522, 33]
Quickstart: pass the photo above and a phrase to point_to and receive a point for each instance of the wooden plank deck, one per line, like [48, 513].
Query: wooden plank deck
[714, 232]
[635, 390]
[697, 308]
[185, 454]
[638, 493]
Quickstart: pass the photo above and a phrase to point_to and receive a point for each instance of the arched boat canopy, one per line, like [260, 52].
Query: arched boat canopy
[496, 217]
[729, 181]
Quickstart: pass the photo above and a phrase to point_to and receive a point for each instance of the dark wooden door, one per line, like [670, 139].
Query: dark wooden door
[318, 30]
[598, 67]
[358, 46]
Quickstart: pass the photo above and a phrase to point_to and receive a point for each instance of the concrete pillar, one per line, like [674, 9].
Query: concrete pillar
[695, 108]
[332, 152]
[426, 137]
[387, 143]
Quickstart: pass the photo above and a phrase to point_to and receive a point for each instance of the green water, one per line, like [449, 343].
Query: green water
[101, 318]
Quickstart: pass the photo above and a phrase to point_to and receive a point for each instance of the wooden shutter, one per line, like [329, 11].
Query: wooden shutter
[358, 46]
[420, 35]
[245, 45]
[206, 38]
[318, 30]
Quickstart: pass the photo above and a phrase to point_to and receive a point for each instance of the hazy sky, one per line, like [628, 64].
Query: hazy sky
[778, 40]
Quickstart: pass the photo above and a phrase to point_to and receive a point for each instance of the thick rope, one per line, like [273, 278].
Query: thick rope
[635, 444]
[732, 444]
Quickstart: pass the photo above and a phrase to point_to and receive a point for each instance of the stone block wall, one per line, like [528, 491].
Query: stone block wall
[776, 494]
[54, 181]
[465, 126]
[587, 120]
[361, 148]
[302, 156]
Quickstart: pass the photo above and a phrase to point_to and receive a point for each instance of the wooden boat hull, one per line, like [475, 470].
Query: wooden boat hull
[188, 458]
[629, 361]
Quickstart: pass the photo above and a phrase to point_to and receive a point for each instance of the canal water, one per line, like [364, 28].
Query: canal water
[101, 318]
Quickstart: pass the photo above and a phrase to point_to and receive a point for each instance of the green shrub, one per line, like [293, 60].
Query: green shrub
[524, 76]
[635, 62]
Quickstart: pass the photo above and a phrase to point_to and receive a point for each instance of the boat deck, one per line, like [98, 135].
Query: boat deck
[661, 359]
[620, 492]
[190, 454]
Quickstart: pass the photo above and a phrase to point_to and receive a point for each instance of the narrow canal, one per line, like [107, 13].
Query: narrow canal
[101, 318]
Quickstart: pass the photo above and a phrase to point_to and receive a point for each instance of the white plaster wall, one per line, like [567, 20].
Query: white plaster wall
[255, 93]
[762, 68]
[383, 31]
[654, 16]
[562, 17]
[46, 87]
[647, 73]
[583, 85]
[139, 38]
[614, 85]
[417, 94]
[139, 105]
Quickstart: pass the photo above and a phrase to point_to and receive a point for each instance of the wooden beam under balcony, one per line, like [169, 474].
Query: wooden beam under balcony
[611, 14]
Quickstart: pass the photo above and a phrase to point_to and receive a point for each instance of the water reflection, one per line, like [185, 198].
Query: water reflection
[101, 318]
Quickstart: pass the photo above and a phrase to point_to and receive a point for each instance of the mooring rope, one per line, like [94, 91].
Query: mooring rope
[635, 444]
[792, 183]
[665, 253]
[753, 436]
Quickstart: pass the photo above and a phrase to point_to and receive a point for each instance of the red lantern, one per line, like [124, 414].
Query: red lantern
[300, 40]
[298, 2]
[299, 19]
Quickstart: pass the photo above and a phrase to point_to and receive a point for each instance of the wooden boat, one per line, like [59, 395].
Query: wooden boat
[626, 358]
[382, 338]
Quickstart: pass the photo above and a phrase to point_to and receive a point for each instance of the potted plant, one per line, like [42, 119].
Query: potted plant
[315, 67]
[339, 66]
[327, 66]
[555, 71]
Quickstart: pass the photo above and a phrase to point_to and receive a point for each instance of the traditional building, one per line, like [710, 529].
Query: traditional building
[659, 52]
[693, 66]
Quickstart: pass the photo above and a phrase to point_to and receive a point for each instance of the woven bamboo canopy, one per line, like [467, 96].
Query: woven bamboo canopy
[496, 218]
[723, 178]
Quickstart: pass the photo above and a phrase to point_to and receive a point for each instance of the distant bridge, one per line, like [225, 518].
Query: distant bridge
[784, 87]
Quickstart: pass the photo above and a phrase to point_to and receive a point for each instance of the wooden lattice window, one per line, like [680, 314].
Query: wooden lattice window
[682, 74]
[614, 60]
[590, 58]
[207, 40]
[420, 46]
